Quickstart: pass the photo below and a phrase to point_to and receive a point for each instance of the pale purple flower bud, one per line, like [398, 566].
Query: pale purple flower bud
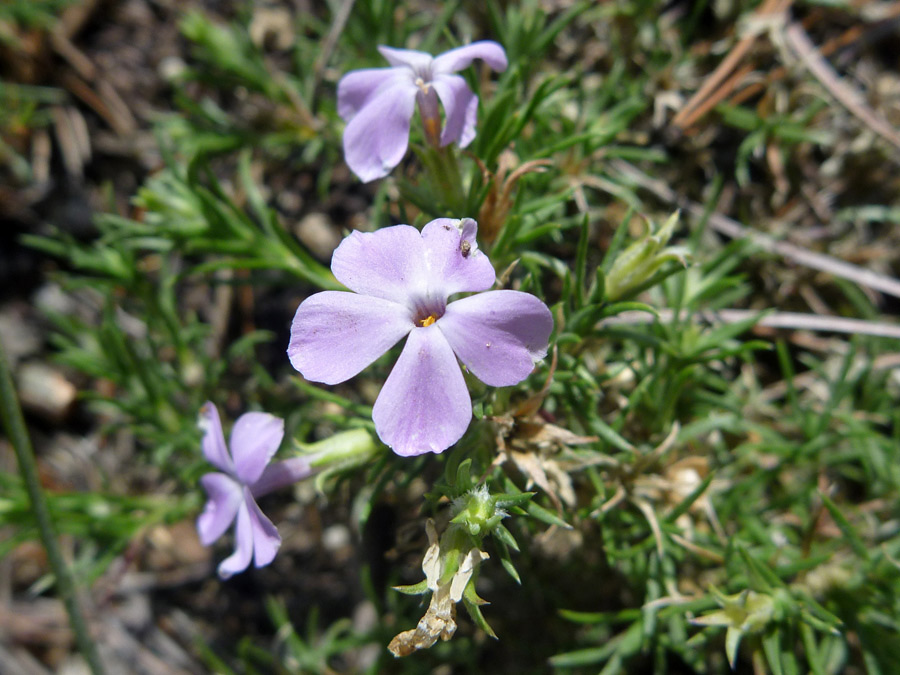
[403, 280]
[245, 475]
[378, 104]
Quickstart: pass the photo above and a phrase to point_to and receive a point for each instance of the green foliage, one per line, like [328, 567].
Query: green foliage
[721, 496]
[40, 14]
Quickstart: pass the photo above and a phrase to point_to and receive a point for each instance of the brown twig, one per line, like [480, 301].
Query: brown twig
[688, 114]
[845, 39]
[116, 115]
[703, 107]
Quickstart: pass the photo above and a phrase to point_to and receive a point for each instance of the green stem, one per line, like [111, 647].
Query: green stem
[18, 435]
[443, 169]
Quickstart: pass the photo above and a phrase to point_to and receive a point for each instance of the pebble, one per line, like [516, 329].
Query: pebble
[318, 234]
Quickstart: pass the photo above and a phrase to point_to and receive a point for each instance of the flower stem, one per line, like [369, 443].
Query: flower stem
[14, 424]
[442, 168]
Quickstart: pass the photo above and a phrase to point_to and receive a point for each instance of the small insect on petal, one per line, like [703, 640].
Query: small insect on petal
[403, 279]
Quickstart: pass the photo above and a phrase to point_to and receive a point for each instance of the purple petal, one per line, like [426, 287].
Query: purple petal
[388, 263]
[424, 406]
[420, 62]
[265, 537]
[358, 87]
[457, 100]
[455, 265]
[336, 334]
[498, 335]
[457, 59]
[243, 544]
[254, 439]
[468, 131]
[225, 496]
[375, 140]
[213, 444]
[281, 474]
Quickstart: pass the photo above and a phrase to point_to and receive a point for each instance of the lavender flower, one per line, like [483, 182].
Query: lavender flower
[232, 494]
[378, 104]
[402, 280]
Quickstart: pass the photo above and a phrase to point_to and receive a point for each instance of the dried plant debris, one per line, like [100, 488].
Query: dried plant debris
[439, 621]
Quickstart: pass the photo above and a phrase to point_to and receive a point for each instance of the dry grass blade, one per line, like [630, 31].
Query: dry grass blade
[732, 228]
[330, 42]
[713, 86]
[857, 33]
[846, 95]
[787, 320]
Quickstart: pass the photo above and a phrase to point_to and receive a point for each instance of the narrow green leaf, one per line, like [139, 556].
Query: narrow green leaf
[472, 602]
[415, 589]
[505, 536]
[688, 501]
[853, 538]
[537, 511]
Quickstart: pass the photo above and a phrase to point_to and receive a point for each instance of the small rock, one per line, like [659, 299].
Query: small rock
[44, 391]
[135, 612]
[317, 233]
[272, 28]
[29, 563]
[171, 68]
[336, 538]
[19, 336]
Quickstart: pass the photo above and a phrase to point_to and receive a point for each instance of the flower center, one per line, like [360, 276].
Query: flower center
[426, 311]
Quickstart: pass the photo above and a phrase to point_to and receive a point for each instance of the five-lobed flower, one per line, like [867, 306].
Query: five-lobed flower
[402, 280]
[378, 104]
[245, 474]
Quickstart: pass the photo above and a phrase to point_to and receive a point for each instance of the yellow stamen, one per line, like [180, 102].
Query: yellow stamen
[428, 321]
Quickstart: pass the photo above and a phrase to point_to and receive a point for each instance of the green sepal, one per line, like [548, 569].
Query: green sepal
[416, 589]
[732, 641]
[472, 602]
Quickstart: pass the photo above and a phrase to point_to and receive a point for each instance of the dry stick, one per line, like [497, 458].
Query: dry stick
[717, 96]
[112, 115]
[733, 229]
[727, 65]
[789, 320]
[845, 39]
[14, 423]
[805, 380]
[106, 101]
[846, 95]
[330, 41]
